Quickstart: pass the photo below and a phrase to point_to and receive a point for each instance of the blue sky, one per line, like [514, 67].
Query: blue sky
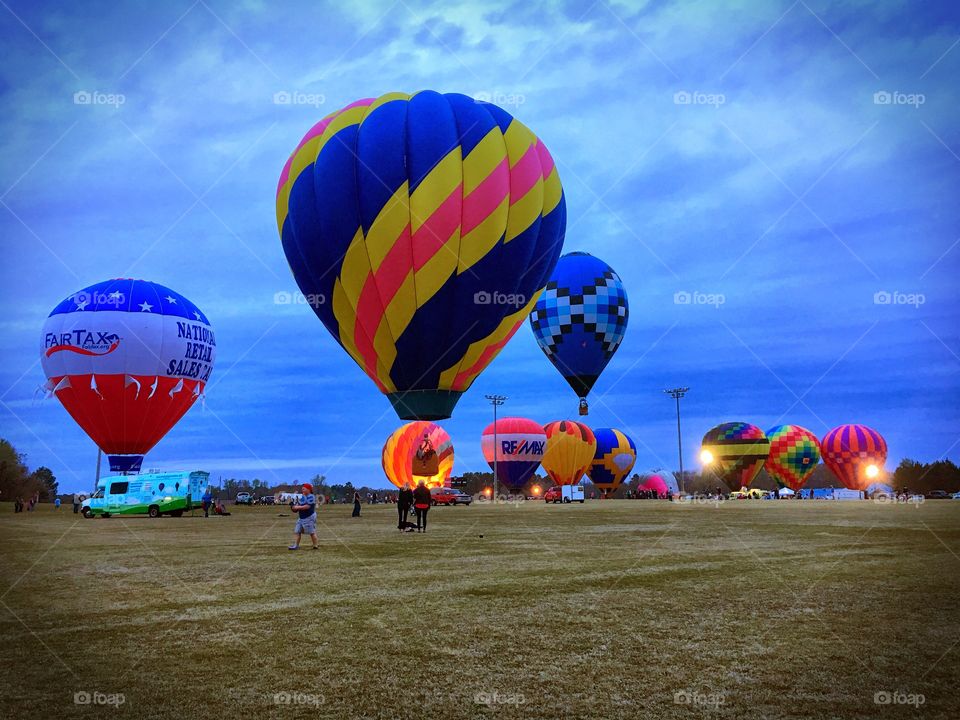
[799, 162]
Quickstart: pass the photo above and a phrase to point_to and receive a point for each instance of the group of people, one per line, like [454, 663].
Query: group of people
[19, 505]
[209, 503]
[418, 498]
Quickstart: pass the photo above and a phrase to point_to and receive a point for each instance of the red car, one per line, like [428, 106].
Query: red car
[449, 496]
[554, 494]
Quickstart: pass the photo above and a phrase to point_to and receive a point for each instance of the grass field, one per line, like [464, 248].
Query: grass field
[611, 609]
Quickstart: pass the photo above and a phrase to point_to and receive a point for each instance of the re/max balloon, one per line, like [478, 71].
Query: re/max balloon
[421, 228]
[737, 452]
[794, 453]
[850, 451]
[580, 320]
[521, 444]
[570, 447]
[127, 359]
[418, 451]
[613, 459]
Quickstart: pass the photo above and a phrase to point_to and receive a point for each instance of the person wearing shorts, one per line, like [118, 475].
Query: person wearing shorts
[306, 509]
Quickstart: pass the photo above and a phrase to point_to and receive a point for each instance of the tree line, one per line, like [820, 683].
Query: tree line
[18, 481]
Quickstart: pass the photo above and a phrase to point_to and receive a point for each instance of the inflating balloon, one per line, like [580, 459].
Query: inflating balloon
[794, 453]
[613, 459]
[855, 454]
[418, 451]
[656, 484]
[421, 228]
[127, 358]
[570, 448]
[580, 320]
[521, 445]
[735, 451]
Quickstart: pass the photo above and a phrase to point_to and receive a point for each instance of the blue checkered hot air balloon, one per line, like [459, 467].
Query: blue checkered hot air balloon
[580, 319]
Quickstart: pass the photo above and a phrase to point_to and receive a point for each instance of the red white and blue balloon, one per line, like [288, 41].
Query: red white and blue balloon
[127, 358]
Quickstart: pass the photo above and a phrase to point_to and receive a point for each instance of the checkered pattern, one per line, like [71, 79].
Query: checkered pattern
[849, 449]
[739, 450]
[601, 308]
[794, 453]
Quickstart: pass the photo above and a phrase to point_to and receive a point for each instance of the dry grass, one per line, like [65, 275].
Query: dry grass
[754, 609]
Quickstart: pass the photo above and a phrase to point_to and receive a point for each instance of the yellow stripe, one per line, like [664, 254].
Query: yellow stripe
[484, 237]
[483, 159]
[438, 269]
[388, 225]
[401, 309]
[435, 188]
[523, 211]
[389, 97]
[552, 191]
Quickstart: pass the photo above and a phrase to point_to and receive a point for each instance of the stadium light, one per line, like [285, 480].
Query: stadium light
[496, 401]
[676, 394]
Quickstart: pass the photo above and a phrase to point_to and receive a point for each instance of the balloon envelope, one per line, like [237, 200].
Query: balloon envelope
[794, 453]
[613, 459]
[570, 448]
[739, 450]
[400, 455]
[655, 483]
[521, 444]
[421, 228]
[848, 450]
[580, 319]
[127, 358]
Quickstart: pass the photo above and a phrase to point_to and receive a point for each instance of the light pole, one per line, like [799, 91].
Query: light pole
[496, 401]
[676, 394]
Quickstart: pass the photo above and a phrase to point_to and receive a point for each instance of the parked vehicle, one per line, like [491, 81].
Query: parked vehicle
[449, 496]
[938, 495]
[553, 495]
[244, 498]
[564, 494]
[267, 500]
[153, 494]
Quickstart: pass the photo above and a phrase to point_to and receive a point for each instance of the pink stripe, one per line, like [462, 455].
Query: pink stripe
[524, 175]
[430, 237]
[546, 159]
[486, 197]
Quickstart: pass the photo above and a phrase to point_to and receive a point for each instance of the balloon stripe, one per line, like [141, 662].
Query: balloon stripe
[490, 194]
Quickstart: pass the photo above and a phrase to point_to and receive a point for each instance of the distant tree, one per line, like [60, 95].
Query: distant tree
[45, 482]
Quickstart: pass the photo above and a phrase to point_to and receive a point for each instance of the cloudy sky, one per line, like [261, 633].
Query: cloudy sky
[791, 168]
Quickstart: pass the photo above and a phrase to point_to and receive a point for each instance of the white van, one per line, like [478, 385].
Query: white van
[572, 493]
[153, 494]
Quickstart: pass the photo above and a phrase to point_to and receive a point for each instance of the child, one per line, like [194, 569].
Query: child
[306, 508]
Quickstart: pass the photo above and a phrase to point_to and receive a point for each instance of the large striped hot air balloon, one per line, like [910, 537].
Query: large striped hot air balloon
[521, 444]
[580, 320]
[418, 451]
[855, 454]
[421, 228]
[127, 358]
[794, 453]
[735, 451]
[570, 448]
[613, 459]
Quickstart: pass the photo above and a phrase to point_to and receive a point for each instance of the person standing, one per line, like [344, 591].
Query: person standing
[356, 503]
[404, 501]
[306, 509]
[76, 503]
[56, 504]
[206, 501]
[421, 504]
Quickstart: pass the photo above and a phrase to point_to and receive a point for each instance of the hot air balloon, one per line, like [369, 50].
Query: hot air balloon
[127, 358]
[570, 448]
[580, 320]
[521, 444]
[794, 453]
[421, 228]
[657, 484]
[613, 458]
[735, 451]
[855, 454]
[418, 451]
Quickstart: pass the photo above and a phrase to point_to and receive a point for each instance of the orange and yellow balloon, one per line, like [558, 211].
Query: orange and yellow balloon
[401, 448]
[570, 448]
